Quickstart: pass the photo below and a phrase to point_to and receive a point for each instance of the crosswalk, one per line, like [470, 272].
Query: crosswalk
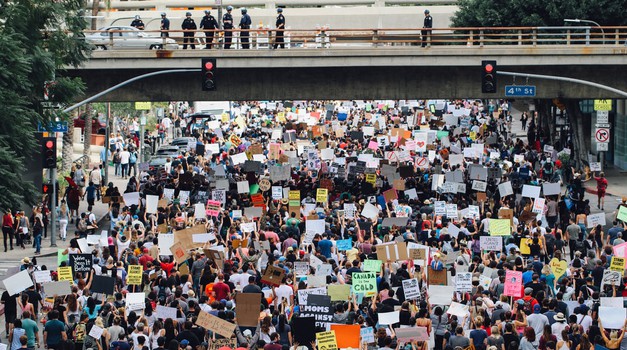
[6, 265]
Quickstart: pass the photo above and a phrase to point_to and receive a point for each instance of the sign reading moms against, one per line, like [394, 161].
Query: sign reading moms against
[318, 306]
[365, 283]
[81, 263]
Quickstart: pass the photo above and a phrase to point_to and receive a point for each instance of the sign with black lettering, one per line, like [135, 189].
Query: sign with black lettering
[81, 263]
[318, 306]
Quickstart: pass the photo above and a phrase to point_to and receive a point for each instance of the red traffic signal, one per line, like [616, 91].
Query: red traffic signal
[488, 78]
[208, 74]
[46, 188]
[49, 152]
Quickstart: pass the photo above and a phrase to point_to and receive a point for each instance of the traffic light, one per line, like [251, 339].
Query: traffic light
[46, 189]
[49, 152]
[208, 74]
[488, 80]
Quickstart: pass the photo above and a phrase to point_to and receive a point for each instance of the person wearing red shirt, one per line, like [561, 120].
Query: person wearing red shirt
[167, 266]
[7, 228]
[601, 187]
[221, 289]
[145, 258]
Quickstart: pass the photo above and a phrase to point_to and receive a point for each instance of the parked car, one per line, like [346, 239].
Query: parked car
[183, 142]
[128, 38]
[167, 151]
[97, 127]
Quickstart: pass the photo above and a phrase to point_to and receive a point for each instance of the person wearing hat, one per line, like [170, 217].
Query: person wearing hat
[244, 24]
[165, 25]
[427, 23]
[279, 38]
[227, 23]
[209, 24]
[537, 321]
[559, 325]
[138, 23]
[188, 26]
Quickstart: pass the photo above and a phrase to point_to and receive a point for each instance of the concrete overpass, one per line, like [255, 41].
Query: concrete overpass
[404, 72]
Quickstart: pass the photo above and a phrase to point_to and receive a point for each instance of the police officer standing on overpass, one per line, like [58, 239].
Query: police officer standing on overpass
[244, 24]
[188, 35]
[428, 23]
[165, 25]
[208, 23]
[138, 23]
[227, 22]
[280, 29]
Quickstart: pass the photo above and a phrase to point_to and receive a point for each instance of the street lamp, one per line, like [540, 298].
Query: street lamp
[577, 20]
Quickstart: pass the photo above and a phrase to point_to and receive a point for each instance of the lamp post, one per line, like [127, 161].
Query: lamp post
[577, 20]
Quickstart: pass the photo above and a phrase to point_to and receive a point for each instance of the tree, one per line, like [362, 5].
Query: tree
[515, 13]
[37, 39]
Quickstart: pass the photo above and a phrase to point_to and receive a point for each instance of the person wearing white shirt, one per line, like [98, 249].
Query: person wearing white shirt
[283, 292]
[125, 157]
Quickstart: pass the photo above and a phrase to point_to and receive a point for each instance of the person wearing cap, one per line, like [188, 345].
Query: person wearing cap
[138, 23]
[165, 25]
[227, 23]
[279, 39]
[209, 24]
[427, 24]
[244, 24]
[537, 321]
[188, 26]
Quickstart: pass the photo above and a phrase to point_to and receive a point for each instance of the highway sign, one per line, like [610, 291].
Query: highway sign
[603, 117]
[602, 135]
[603, 146]
[53, 127]
[602, 105]
[520, 90]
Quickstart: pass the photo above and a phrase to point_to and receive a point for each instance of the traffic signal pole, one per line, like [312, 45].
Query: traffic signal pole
[53, 207]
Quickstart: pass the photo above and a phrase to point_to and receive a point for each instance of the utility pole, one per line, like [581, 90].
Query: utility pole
[142, 126]
[53, 207]
[106, 146]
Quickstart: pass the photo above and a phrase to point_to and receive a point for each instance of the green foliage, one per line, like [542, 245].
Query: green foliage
[37, 39]
[515, 13]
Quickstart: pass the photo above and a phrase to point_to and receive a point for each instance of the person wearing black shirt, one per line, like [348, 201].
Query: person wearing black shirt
[10, 309]
[244, 24]
[187, 335]
[209, 23]
[165, 25]
[188, 26]
[279, 38]
[427, 23]
[138, 23]
[227, 23]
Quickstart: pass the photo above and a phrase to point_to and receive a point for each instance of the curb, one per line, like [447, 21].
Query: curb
[55, 253]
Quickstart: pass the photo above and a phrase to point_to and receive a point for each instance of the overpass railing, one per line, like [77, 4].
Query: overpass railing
[320, 38]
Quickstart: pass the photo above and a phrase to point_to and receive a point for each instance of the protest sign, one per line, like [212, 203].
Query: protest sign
[42, 276]
[437, 277]
[339, 292]
[134, 276]
[558, 267]
[612, 278]
[392, 251]
[303, 293]
[388, 318]
[440, 295]
[347, 335]
[538, 205]
[457, 309]
[372, 265]
[81, 263]
[58, 288]
[596, 219]
[463, 281]
[301, 268]
[366, 335]
[412, 334]
[318, 306]
[216, 344]
[491, 243]
[365, 283]
[613, 317]
[165, 312]
[322, 195]
[618, 264]
[273, 275]
[64, 273]
[215, 324]
[247, 308]
[103, 284]
[500, 227]
[531, 191]
[411, 288]
[622, 214]
[344, 244]
[96, 332]
[513, 283]
[304, 329]
[18, 282]
[326, 340]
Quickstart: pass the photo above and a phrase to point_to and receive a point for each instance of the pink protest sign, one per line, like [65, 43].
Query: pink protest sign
[213, 208]
[513, 284]
[620, 250]
[373, 145]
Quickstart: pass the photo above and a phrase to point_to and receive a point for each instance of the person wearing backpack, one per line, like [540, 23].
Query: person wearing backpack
[132, 163]
[79, 332]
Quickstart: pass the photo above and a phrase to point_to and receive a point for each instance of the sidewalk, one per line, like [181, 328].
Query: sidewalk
[100, 210]
[617, 184]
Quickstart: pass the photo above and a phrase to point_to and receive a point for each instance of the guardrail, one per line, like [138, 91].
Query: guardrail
[358, 38]
[161, 5]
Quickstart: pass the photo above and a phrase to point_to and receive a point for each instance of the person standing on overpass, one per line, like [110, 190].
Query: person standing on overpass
[188, 26]
[227, 23]
[138, 23]
[209, 24]
[280, 29]
[244, 24]
[165, 25]
[427, 25]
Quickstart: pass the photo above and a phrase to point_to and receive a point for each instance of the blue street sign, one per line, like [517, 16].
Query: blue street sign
[53, 127]
[520, 90]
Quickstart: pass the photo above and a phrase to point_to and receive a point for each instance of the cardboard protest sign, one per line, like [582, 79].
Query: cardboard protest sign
[103, 284]
[437, 277]
[273, 275]
[393, 252]
[247, 308]
[463, 282]
[215, 324]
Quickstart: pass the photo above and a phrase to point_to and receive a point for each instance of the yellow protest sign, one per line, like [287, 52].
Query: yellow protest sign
[500, 227]
[602, 105]
[371, 178]
[326, 340]
[65, 274]
[240, 121]
[558, 267]
[339, 292]
[135, 275]
[225, 117]
[322, 195]
[618, 264]
[524, 246]
[142, 106]
[281, 117]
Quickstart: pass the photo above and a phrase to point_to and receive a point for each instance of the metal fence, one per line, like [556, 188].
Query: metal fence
[320, 38]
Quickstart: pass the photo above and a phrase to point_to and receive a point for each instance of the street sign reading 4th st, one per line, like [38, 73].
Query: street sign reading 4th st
[520, 90]
[53, 127]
